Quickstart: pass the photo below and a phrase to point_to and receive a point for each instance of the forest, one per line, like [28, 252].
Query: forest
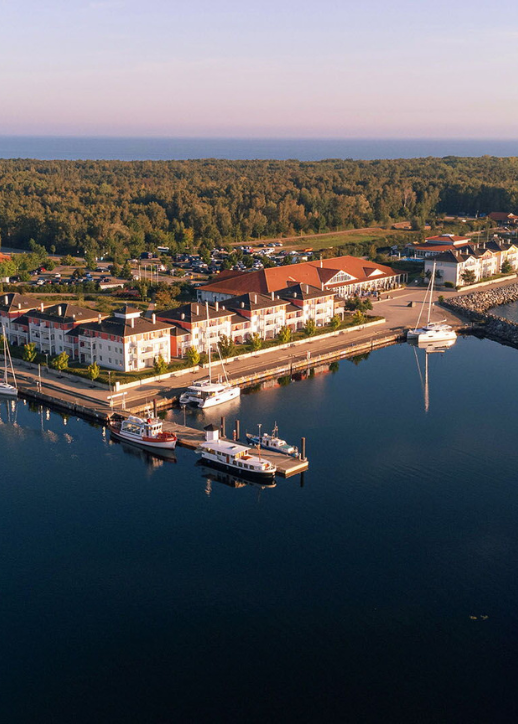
[115, 208]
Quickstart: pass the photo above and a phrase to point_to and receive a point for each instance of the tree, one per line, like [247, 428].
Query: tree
[29, 352]
[468, 276]
[284, 335]
[226, 346]
[166, 298]
[255, 342]
[507, 267]
[126, 272]
[358, 317]
[310, 328]
[60, 362]
[93, 371]
[335, 322]
[159, 365]
[193, 356]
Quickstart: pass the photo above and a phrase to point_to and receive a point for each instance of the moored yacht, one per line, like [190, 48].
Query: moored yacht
[431, 331]
[207, 393]
[229, 455]
[146, 432]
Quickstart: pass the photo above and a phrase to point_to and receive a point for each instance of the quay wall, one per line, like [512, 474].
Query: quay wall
[475, 307]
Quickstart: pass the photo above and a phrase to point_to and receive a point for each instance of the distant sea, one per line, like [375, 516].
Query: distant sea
[140, 149]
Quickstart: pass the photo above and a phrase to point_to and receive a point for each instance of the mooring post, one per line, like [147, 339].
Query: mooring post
[237, 429]
[302, 448]
[154, 407]
[222, 426]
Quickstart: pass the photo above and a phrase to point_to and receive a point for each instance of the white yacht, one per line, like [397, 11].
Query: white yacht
[431, 331]
[231, 456]
[7, 390]
[146, 432]
[207, 393]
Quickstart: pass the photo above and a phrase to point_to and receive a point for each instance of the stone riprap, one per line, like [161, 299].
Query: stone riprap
[475, 307]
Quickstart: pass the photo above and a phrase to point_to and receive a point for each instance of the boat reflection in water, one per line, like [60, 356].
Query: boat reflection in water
[429, 348]
[214, 475]
[153, 460]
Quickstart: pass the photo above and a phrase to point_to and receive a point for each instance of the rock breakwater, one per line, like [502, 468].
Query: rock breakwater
[475, 307]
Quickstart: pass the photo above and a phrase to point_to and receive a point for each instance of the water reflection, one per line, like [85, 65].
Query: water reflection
[213, 475]
[152, 460]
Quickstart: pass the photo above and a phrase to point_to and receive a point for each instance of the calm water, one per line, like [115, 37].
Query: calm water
[508, 311]
[139, 149]
[133, 592]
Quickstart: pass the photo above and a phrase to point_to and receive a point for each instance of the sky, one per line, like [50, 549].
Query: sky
[259, 68]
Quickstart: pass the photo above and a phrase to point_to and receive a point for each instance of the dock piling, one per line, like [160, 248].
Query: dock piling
[154, 407]
[222, 426]
[236, 430]
[303, 448]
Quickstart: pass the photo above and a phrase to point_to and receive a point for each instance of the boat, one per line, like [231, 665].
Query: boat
[206, 393]
[228, 455]
[142, 431]
[431, 331]
[273, 442]
[7, 390]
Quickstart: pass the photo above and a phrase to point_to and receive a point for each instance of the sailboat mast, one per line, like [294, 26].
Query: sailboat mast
[426, 384]
[432, 280]
[208, 341]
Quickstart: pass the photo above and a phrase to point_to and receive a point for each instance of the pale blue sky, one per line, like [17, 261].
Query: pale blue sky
[272, 68]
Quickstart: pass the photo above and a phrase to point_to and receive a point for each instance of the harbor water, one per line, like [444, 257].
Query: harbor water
[379, 587]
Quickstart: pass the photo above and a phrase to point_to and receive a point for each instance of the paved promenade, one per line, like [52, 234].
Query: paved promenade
[398, 314]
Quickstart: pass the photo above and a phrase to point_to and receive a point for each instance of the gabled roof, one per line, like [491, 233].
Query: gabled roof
[254, 301]
[193, 313]
[119, 327]
[64, 312]
[312, 273]
[304, 291]
[12, 301]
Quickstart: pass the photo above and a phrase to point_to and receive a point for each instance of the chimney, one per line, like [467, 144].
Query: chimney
[60, 311]
[6, 299]
[153, 318]
[41, 307]
[255, 298]
[132, 322]
[197, 310]
[182, 315]
[216, 304]
[19, 304]
[242, 305]
[294, 295]
[99, 317]
[273, 295]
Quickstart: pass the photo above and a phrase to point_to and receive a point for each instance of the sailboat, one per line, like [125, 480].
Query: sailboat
[206, 393]
[5, 388]
[431, 331]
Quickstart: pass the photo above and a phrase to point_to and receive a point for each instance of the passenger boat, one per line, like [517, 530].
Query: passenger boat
[273, 442]
[146, 432]
[7, 390]
[207, 393]
[229, 455]
[431, 331]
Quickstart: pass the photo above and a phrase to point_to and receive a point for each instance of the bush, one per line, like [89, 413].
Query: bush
[450, 285]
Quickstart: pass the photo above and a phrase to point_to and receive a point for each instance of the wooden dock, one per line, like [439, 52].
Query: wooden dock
[190, 438]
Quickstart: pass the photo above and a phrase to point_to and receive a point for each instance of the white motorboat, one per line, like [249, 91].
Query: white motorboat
[273, 442]
[7, 390]
[431, 331]
[146, 432]
[207, 393]
[228, 455]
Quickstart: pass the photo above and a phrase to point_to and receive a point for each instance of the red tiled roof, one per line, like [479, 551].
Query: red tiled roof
[313, 273]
